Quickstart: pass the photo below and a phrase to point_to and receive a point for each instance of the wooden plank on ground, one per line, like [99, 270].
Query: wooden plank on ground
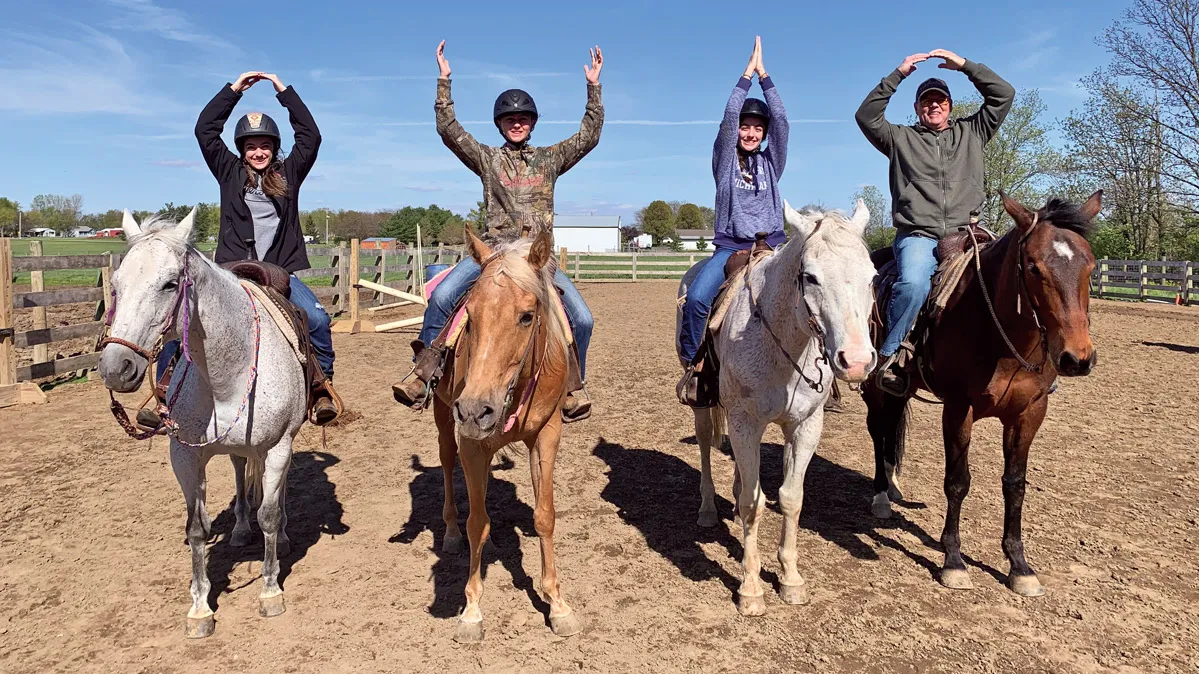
[25, 393]
[56, 367]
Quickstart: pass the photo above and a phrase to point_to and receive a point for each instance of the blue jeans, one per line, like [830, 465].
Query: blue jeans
[455, 284]
[700, 295]
[318, 329]
[917, 260]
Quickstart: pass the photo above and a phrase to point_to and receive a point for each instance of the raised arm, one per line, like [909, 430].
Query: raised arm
[724, 150]
[461, 143]
[779, 130]
[872, 114]
[308, 137]
[568, 152]
[997, 94]
[220, 159]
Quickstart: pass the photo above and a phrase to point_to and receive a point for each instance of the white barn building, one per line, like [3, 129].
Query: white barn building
[587, 233]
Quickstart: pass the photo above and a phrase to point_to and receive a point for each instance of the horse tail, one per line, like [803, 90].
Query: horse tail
[720, 425]
[255, 469]
[901, 436]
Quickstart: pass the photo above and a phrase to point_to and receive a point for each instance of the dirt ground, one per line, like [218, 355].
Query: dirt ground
[94, 569]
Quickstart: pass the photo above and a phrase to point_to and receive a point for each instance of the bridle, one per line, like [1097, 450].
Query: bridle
[180, 307]
[814, 327]
[1022, 254]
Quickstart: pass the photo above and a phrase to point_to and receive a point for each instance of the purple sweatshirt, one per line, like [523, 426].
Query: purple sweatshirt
[744, 208]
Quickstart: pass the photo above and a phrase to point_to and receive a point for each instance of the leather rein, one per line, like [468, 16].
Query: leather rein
[1022, 291]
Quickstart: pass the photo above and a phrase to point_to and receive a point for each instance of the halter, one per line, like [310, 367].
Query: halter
[181, 305]
[816, 385]
[1022, 253]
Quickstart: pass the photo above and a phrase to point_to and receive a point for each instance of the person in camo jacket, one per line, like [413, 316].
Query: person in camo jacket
[518, 197]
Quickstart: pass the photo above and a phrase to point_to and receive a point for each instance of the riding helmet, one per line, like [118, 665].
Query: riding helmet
[756, 107]
[511, 102]
[256, 124]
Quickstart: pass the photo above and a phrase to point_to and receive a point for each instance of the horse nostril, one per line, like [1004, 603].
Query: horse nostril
[484, 414]
[842, 360]
[458, 412]
[127, 369]
[1068, 363]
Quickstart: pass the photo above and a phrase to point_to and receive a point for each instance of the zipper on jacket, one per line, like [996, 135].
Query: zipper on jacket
[941, 173]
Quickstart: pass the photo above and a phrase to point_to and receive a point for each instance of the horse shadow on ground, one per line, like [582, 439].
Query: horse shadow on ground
[1181, 348]
[312, 510]
[511, 519]
[658, 493]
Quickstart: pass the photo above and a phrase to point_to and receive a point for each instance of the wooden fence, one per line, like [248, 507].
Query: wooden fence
[1146, 280]
[331, 283]
[607, 267]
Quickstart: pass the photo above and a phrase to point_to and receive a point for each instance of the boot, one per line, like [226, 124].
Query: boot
[416, 390]
[693, 391]
[833, 404]
[577, 406]
[148, 420]
[892, 378]
[326, 404]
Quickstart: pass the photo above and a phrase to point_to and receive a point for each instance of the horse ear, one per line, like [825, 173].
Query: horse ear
[798, 225]
[183, 230]
[541, 251]
[1092, 205]
[478, 250]
[1022, 216]
[129, 225]
[861, 216]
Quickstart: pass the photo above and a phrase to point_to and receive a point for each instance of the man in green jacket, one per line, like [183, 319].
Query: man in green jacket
[936, 180]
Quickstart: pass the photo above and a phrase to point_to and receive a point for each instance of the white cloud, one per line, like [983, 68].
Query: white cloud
[321, 75]
[146, 17]
[176, 163]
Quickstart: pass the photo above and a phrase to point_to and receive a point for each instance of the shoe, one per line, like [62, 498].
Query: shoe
[891, 378]
[691, 390]
[417, 392]
[833, 404]
[577, 407]
[148, 420]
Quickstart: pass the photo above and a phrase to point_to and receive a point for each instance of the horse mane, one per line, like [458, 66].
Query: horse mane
[512, 261]
[1066, 215]
[837, 231]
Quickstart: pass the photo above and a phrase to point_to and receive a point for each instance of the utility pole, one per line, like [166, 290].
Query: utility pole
[326, 227]
[20, 224]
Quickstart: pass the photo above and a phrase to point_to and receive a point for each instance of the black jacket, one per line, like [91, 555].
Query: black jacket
[237, 225]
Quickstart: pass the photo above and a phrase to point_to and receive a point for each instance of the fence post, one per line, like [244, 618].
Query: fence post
[8, 351]
[1187, 270]
[576, 265]
[37, 283]
[339, 277]
[1102, 275]
[562, 259]
[634, 266]
[1141, 281]
[352, 281]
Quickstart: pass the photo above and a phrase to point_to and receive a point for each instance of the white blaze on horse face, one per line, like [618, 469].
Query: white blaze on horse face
[1062, 248]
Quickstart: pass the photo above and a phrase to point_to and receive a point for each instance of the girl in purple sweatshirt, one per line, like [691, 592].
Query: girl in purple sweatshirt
[747, 196]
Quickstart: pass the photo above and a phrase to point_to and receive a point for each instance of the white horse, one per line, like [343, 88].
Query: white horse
[801, 319]
[218, 405]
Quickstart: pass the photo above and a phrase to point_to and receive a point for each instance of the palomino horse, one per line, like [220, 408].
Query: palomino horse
[1001, 340]
[506, 384]
[801, 318]
[242, 391]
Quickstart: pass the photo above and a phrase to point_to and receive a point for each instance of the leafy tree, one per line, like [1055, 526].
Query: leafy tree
[879, 232]
[689, 217]
[432, 219]
[208, 221]
[56, 211]
[702, 244]
[657, 220]
[478, 216]
[709, 215]
[9, 215]
[174, 213]
[629, 233]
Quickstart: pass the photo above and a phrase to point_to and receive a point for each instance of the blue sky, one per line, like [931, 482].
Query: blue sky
[99, 98]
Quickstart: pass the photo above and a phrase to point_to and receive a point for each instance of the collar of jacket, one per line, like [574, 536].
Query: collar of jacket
[524, 149]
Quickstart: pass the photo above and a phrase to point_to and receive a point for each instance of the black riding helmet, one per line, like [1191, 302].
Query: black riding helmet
[511, 102]
[757, 108]
[256, 124]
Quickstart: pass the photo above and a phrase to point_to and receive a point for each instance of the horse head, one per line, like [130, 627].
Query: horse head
[147, 291]
[1054, 265]
[511, 326]
[834, 282]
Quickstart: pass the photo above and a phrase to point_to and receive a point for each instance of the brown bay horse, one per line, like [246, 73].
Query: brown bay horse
[995, 352]
[506, 384]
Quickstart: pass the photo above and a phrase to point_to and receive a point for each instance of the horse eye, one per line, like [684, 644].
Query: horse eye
[170, 285]
[808, 278]
[1036, 271]
[526, 319]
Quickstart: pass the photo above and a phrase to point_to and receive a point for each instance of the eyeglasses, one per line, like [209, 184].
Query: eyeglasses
[939, 102]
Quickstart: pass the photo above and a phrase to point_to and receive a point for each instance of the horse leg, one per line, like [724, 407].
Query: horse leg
[188, 466]
[802, 438]
[270, 518]
[884, 420]
[704, 437]
[957, 422]
[241, 536]
[745, 433]
[542, 454]
[476, 466]
[447, 445]
[1017, 438]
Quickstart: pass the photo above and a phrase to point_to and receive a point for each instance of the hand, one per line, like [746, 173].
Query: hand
[952, 60]
[443, 66]
[279, 87]
[245, 81]
[761, 69]
[754, 58]
[909, 64]
[597, 64]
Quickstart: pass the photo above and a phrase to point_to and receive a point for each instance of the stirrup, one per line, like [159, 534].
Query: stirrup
[326, 405]
[582, 408]
[898, 384]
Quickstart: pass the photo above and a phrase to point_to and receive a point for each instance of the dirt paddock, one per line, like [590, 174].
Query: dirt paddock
[94, 569]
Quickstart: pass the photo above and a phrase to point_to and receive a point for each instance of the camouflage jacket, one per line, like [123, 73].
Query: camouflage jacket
[518, 182]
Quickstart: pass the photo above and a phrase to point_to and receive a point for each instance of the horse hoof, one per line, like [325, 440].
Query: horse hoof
[269, 607]
[240, 539]
[566, 625]
[880, 507]
[795, 595]
[894, 494]
[956, 579]
[451, 545]
[198, 628]
[1025, 586]
[469, 633]
[751, 606]
[708, 518]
